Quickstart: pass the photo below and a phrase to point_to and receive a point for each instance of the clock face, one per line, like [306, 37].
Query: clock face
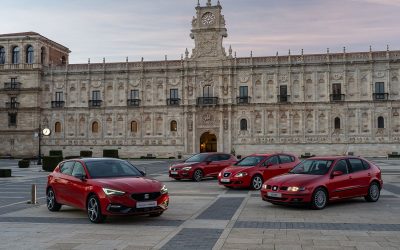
[46, 131]
[208, 18]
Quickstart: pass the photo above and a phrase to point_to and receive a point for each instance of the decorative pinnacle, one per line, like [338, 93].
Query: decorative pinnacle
[327, 50]
[218, 3]
[277, 53]
[235, 54]
[370, 48]
[187, 53]
[127, 59]
[208, 3]
[387, 47]
[251, 53]
[88, 60]
[230, 50]
[344, 49]
[289, 52]
[198, 3]
[142, 59]
[302, 51]
[104, 60]
[166, 57]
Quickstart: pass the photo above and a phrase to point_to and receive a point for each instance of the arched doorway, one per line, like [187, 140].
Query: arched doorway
[208, 143]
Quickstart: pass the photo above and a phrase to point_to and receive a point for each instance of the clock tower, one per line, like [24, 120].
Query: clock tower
[208, 31]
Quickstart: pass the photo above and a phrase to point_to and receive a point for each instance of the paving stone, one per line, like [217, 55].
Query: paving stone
[222, 209]
[193, 238]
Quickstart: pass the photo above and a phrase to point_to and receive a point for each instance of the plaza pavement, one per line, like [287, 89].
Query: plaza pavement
[203, 216]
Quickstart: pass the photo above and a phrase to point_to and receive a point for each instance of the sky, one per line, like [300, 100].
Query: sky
[154, 28]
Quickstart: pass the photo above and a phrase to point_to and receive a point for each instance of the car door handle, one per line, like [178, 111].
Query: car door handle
[369, 174]
[350, 178]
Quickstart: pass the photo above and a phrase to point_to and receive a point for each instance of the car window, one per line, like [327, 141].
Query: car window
[78, 169]
[356, 165]
[67, 167]
[366, 165]
[197, 158]
[250, 161]
[312, 167]
[293, 159]
[213, 158]
[341, 166]
[285, 158]
[224, 157]
[272, 161]
[111, 168]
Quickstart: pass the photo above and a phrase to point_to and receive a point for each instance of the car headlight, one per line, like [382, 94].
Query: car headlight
[109, 191]
[241, 174]
[219, 174]
[264, 186]
[186, 168]
[295, 189]
[164, 190]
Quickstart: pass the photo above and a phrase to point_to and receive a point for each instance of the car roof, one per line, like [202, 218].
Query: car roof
[334, 157]
[97, 159]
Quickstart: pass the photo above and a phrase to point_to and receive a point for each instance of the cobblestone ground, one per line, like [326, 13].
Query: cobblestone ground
[202, 216]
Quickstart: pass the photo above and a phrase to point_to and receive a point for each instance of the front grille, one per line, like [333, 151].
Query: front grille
[175, 169]
[227, 174]
[276, 198]
[146, 196]
[284, 188]
[275, 188]
[268, 186]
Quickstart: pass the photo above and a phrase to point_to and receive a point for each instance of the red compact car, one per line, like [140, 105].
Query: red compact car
[103, 186]
[201, 165]
[253, 170]
[318, 180]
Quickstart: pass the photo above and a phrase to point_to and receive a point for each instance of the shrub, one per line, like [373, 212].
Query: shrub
[86, 153]
[5, 172]
[56, 153]
[51, 162]
[71, 157]
[110, 153]
[24, 163]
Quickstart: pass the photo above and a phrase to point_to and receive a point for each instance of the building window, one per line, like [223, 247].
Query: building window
[2, 55]
[243, 91]
[42, 55]
[379, 87]
[63, 60]
[95, 127]
[134, 127]
[134, 94]
[174, 126]
[337, 123]
[12, 119]
[57, 127]
[243, 125]
[381, 122]
[173, 94]
[29, 54]
[15, 55]
[59, 96]
[96, 95]
[207, 91]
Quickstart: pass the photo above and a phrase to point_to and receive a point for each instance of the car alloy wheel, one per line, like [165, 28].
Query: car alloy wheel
[319, 199]
[256, 182]
[51, 202]
[198, 175]
[373, 192]
[94, 210]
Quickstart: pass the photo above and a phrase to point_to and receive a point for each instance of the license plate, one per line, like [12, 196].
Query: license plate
[174, 172]
[225, 180]
[275, 195]
[144, 204]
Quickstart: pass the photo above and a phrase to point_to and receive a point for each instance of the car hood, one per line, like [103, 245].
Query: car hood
[236, 169]
[184, 164]
[293, 179]
[130, 184]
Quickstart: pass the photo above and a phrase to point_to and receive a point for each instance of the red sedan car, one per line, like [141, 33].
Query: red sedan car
[319, 180]
[103, 186]
[253, 170]
[201, 165]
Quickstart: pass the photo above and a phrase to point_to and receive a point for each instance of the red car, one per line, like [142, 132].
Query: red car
[253, 170]
[201, 165]
[102, 187]
[319, 180]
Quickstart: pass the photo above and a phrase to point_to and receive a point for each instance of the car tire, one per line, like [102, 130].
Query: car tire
[94, 210]
[256, 182]
[374, 192]
[198, 175]
[319, 199]
[156, 214]
[51, 201]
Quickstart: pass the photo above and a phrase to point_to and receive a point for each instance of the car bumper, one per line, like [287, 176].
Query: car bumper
[118, 206]
[287, 197]
[234, 182]
[181, 174]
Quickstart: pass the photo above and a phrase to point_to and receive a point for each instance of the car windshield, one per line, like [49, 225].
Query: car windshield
[250, 161]
[111, 168]
[312, 167]
[197, 158]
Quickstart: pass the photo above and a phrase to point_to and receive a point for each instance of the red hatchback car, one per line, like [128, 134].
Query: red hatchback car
[201, 165]
[319, 180]
[253, 170]
[103, 186]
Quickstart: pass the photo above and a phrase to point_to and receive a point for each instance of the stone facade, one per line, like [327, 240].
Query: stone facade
[331, 103]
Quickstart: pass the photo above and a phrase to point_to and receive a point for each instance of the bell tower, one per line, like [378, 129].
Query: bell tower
[208, 31]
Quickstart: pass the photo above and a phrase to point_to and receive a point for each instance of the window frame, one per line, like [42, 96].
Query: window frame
[347, 166]
[337, 123]
[134, 127]
[2, 55]
[63, 165]
[96, 95]
[12, 119]
[243, 91]
[57, 127]
[243, 125]
[351, 169]
[15, 55]
[134, 94]
[174, 94]
[97, 127]
[381, 122]
[30, 54]
[173, 126]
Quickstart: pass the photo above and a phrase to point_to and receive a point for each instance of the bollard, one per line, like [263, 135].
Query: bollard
[33, 195]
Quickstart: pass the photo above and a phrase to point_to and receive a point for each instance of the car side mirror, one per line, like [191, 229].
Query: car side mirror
[269, 164]
[143, 172]
[81, 177]
[208, 162]
[337, 173]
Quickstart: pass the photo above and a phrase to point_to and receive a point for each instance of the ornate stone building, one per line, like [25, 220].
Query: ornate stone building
[331, 103]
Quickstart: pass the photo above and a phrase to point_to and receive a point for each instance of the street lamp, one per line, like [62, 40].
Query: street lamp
[44, 132]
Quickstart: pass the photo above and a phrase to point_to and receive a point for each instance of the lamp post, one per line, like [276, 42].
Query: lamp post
[39, 161]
